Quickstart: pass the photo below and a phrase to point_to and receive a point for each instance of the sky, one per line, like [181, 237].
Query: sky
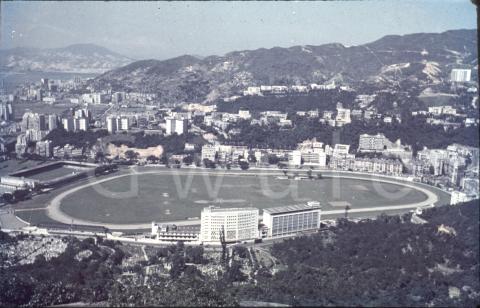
[161, 30]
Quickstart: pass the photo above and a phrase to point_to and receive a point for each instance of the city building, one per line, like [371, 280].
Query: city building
[340, 150]
[236, 224]
[44, 148]
[124, 124]
[314, 157]
[457, 197]
[439, 110]
[376, 165]
[17, 182]
[68, 124]
[252, 91]
[244, 114]
[372, 143]
[21, 144]
[6, 111]
[460, 75]
[209, 152]
[189, 147]
[343, 117]
[176, 126]
[112, 124]
[80, 124]
[288, 220]
[83, 113]
[174, 233]
[52, 121]
[295, 158]
[33, 121]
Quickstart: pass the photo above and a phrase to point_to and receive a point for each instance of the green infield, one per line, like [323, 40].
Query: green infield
[170, 196]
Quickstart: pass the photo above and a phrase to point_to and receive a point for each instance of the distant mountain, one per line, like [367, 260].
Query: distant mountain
[78, 58]
[423, 58]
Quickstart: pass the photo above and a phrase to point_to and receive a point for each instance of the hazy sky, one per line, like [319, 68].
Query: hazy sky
[168, 29]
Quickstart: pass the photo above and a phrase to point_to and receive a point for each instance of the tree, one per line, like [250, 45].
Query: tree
[164, 160]
[178, 265]
[273, 159]
[243, 165]
[234, 273]
[131, 155]
[194, 254]
[208, 163]
[152, 159]
[188, 160]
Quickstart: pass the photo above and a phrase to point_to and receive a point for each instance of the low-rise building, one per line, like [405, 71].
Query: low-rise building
[209, 152]
[295, 158]
[173, 233]
[457, 197]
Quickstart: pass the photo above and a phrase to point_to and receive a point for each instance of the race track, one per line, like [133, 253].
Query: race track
[55, 213]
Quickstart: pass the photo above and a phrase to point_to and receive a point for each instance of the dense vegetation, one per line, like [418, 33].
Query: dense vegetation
[384, 262]
[174, 144]
[412, 131]
[321, 100]
[61, 137]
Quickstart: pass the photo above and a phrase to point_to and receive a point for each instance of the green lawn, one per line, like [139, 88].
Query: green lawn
[167, 197]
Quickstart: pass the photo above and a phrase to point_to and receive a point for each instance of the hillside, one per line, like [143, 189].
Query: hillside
[78, 58]
[385, 263]
[423, 58]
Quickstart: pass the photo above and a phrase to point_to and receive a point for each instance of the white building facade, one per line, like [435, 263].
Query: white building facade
[237, 224]
[288, 220]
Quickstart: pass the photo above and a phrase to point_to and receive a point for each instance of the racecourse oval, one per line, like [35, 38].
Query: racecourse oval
[135, 200]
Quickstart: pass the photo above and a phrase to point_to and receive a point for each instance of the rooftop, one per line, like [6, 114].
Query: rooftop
[292, 208]
[218, 209]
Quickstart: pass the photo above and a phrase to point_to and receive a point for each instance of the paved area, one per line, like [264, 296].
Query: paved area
[9, 221]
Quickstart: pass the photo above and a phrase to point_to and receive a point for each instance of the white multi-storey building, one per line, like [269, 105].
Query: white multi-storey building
[372, 143]
[457, 197]
[124, 124]
[288, 220]
[314, 157]
[209, 151]
[178, 126]
[343, 117]
[244, 114]
[295, 158]
[237, 224]
[341, 150]
[461, 75]
[80, 124]
[112, 124]
[44, 148]
[52, 121]
[68, 124]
